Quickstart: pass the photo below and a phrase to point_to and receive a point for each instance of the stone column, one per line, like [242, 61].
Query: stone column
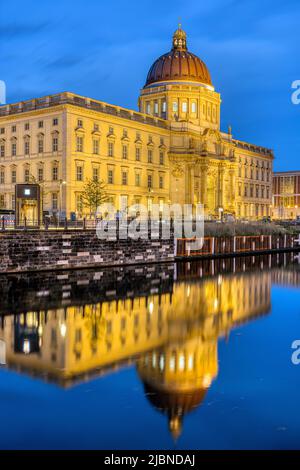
[221, 186]
[203, 188]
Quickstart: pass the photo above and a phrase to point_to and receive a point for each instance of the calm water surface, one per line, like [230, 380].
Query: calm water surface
[186, 356]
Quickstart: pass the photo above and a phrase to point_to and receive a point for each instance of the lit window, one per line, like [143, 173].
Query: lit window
[40, 174]
[79, 144]
[164, 106]
[110, 177]
[125, 152]
[79, 173]
[137, 179]
[124, 177]
[26, 147]
[41, 145]
[110, 149]
[95, 174]
[155, 108]
[96, 146]
[194, 107]
[54, 201]
[55, 173]
[55, 144]
[175, 106]
[148, 108]
[184, 107]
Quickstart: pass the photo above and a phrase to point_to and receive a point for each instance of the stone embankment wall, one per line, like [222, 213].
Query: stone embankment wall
[58, 249]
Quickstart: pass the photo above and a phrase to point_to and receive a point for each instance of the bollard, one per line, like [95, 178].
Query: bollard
[3, 224]
[66, 224]
[84, 223]
[25, 222]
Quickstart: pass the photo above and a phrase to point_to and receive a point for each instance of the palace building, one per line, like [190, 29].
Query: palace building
[170, 151]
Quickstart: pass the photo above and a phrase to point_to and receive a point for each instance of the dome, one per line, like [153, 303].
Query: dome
[179, 64]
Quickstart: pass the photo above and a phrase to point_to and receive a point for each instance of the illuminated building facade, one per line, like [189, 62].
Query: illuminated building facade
[171, 151]
[286, 195]
[171, 338]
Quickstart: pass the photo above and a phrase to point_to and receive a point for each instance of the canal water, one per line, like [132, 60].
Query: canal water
[187, 356]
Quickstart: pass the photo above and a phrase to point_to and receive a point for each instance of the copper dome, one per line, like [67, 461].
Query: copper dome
[179, 64]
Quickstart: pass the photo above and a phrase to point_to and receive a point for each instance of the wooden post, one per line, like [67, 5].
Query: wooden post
[213, 245]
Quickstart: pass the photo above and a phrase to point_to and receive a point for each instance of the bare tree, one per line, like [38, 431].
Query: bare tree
[94, 194]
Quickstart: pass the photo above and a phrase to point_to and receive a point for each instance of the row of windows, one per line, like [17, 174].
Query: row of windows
[125, 150]
[124, 177]
[27, 146]
[253, 210]
[27, 176]
[40, 125]
[251, 191]
[258, 174]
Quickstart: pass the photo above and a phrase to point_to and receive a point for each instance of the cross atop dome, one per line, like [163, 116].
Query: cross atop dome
[179, 39]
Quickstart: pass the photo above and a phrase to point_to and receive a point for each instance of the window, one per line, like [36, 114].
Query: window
[55, 173]
[110, 130]
[13, 129]
[26, 175]
[124, 177]
[14, 149]
[164, 107]
[41, 124]
[40, 145]
[95, 174]
[257, 191]
[161, 182]
[125, 152]
[96, 127]
[156, 107]
[194, 107]
[54, 201]
[79, 123]
[26, 126]
[79, 173]
[55, 144]
[161, 158]
[13, 176]
[138, 179]
[148, 108]
[55, 122]
[13, 202]
[79, 144]
[110, 177]
[149, 181]
[26, 147]
[138, 136]
[41, 174]
[150, 156]
[175, 107]
[110, 149]
[2, 150]
[96, 146]
[184, 107]
[2, 130]
[138, 154]
[125, 133]
[2, 176]
[2, 201]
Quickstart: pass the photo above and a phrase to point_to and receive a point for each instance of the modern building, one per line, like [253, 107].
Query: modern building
[286, 195]
[170, 151]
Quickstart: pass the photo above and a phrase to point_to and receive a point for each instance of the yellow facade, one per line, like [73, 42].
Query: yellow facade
[171, 151]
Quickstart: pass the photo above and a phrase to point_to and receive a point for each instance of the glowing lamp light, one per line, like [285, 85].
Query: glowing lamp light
[63, 330]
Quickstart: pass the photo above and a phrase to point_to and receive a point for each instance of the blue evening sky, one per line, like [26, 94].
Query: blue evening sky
[103, 49]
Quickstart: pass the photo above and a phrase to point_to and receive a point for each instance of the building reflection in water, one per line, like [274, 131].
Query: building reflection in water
[170, 332]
